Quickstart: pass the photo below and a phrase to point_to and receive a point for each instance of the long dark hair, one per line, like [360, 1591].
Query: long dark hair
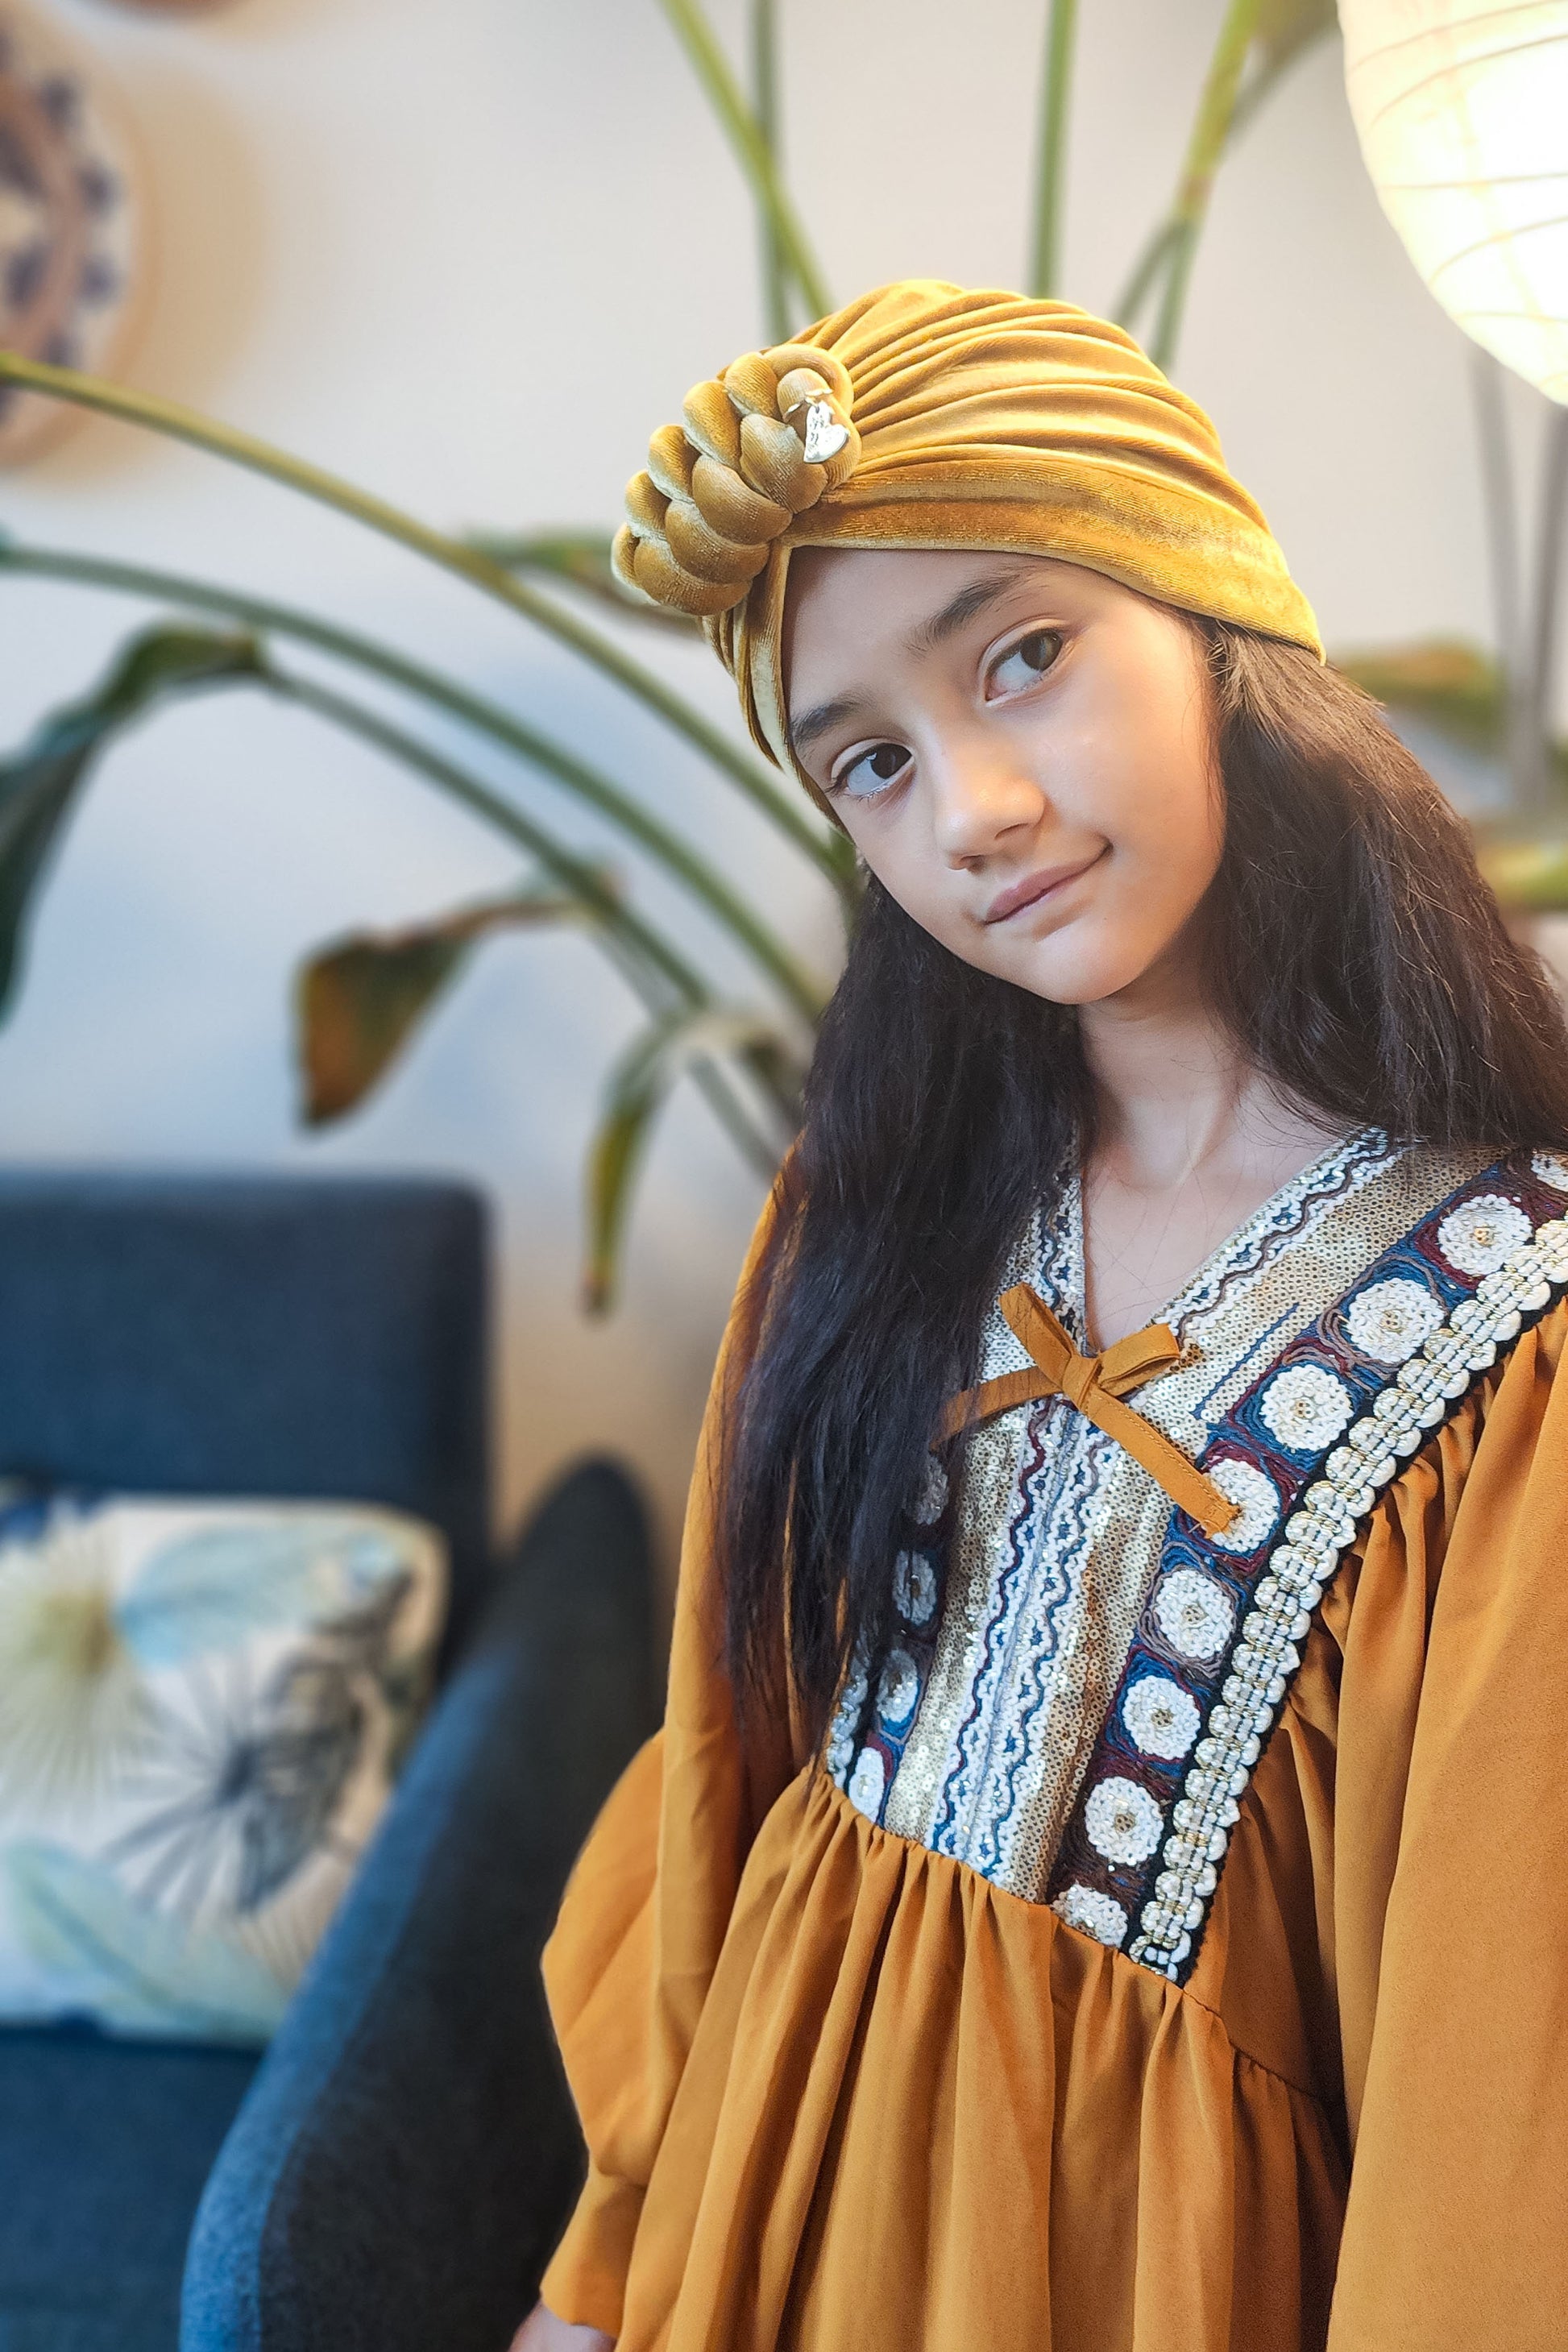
[1362, 965]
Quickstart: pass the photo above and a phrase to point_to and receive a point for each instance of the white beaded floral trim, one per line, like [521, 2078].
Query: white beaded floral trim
[1096, 1915]
[1306, 1408]
[914, 1586]
[898, 1688]
[868, 1783]
[1320, 1530]
[1123, 1821]
[839, 1753]
[1480, 1235]
[1196, 1615]
[1162, 1717]
[1389, 1322]
[1256, 1497]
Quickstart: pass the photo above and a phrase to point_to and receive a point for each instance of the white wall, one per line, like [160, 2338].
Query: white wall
[470, 256]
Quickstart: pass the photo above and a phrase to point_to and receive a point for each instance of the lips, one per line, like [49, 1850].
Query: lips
[1034, 887]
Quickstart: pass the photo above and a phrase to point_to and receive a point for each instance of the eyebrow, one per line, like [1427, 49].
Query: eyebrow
[826, 715]
[973, 598]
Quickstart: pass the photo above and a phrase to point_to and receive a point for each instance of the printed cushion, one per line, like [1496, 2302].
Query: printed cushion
[203, 1706]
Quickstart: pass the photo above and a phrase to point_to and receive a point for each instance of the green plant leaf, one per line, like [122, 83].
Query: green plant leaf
[40, 784]
[358, 1001]
[1529, 873]
[830, 851]
[188, 425]
[639, 1083]
[1455, 687]
[765, 105]
[582, 559]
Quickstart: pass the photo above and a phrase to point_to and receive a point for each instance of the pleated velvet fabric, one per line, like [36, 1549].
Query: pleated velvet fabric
[983, 421]
[842, 2090]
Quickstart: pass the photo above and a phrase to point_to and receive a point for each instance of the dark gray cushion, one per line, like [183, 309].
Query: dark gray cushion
[241, 1335]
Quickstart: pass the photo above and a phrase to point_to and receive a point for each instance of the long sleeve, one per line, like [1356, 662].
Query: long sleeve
[648, 1907]
[1450, 1905]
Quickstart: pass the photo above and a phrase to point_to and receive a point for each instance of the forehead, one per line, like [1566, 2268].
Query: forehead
[893, 580]
[847, 606]
[888, 590]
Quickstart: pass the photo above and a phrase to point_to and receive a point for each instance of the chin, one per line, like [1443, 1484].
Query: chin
[1081, 976]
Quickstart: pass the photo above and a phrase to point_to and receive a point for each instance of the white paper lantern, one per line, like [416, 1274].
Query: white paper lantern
[1461, 107]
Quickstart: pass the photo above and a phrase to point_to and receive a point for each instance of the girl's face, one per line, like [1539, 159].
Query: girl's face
[1020, 750]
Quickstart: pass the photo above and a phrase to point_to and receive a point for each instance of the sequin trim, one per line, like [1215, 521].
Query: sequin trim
[1326, 1426]
[1042, 1566]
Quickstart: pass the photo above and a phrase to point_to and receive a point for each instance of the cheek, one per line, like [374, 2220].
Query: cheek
[904, 862]
[1162, 811]
[1163, 818]
[1175, 845]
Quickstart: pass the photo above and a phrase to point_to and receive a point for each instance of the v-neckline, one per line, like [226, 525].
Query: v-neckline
[1220, 1259]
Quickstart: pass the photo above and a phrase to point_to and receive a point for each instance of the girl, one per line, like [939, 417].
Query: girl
[1102, 1883]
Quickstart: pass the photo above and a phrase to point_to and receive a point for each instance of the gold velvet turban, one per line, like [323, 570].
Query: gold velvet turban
[926, 416]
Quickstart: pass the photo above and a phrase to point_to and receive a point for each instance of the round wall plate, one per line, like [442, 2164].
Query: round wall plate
[73, 257]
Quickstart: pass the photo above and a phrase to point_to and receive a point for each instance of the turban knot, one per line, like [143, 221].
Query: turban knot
[758, 445]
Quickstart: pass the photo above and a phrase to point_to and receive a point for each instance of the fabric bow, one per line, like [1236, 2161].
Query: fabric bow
[1096, 1385]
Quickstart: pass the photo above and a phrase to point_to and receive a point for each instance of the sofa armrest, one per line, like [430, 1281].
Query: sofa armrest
[407, 2153]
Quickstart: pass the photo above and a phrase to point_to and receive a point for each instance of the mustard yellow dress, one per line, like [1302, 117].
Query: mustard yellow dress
[1167, 1950]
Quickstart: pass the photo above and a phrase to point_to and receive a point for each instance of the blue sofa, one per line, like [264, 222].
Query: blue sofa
[393, 2172]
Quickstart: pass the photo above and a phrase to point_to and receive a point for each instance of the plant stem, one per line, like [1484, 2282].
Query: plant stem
[1046, 265]
[166, 416]
[1548, 589]
[575, 872]
[709, 1079]
[745, 135]
[1501, 510]
[1174, 295]
[487, 718]
[1157, 245]
[635, 947]
[1280, 61]
[1210, 128]
[765, 104]
[1145, 269]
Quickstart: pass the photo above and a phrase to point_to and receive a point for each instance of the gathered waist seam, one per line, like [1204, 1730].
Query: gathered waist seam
[815, 1779]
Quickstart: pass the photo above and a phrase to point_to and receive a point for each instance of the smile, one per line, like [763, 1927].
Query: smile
[1036, 887]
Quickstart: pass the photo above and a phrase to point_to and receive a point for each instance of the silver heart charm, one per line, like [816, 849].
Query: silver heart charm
[824, 436]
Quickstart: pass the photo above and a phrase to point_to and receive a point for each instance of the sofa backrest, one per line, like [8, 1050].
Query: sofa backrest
[251, 1335]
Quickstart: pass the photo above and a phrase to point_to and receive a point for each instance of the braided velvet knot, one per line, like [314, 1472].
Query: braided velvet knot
[720, 488]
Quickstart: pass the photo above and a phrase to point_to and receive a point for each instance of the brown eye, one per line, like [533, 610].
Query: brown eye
[873, 770]
[1027, 662]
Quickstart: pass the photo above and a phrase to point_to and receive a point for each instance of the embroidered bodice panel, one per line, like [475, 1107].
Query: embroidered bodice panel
[1067, 1634]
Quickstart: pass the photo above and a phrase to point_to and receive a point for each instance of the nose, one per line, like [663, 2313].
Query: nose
[980, 796]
